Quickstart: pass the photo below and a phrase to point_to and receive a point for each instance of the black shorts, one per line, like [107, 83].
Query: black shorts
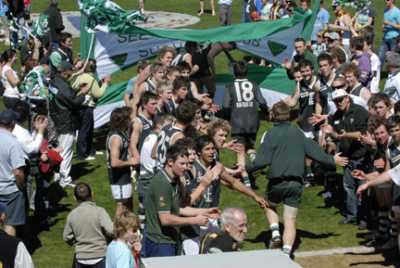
[15, 208]
[248, 140]
[287, 191]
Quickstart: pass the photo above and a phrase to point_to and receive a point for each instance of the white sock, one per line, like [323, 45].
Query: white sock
[275, 229]
[287, 249]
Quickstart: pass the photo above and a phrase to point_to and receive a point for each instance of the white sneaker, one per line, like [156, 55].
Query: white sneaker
[64, 182]
[99, 153]
[90, 158]
[56, 177]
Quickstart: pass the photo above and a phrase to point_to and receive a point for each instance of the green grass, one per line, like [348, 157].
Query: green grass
[317, 227]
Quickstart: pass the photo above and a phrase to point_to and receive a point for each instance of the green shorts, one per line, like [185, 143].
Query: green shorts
[287, 191]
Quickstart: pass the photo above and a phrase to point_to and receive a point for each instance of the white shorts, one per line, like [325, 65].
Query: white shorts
[191, 246]
[120, 192]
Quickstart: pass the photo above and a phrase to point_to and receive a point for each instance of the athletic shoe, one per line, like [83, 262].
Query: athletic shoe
[64, 182]
[308, 180]
[99, 153]
[352, 221]
[90, 158]
[275, 242]
[390, 244]
[362, 225]
[56, 177]
[287, 251]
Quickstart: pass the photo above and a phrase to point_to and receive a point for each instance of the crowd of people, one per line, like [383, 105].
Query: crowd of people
[166, 140]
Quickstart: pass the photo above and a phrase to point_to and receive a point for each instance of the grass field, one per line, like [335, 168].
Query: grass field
[317, 226]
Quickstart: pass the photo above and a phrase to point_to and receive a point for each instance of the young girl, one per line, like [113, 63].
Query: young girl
[124, 250]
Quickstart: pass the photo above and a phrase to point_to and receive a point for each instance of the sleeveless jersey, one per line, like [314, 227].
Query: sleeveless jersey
[119, 176]
[210, 197]
[164, 142]
[308, 99]
[150, 86]
[146, 129]
[394, 158]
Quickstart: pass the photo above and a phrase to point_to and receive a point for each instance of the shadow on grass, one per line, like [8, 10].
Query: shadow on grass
[390, 258]
[81, 169]
[42, 219]
[265, 237]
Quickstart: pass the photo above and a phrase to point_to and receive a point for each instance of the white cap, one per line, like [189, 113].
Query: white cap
[339, 93]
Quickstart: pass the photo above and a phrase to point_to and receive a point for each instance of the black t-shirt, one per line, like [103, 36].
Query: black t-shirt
[355, 119]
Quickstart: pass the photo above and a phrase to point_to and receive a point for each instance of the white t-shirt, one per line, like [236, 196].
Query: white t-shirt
[394, 174]
[392, 87]
[148, 164]
[9, 90]
[375, 68]
[30, 142]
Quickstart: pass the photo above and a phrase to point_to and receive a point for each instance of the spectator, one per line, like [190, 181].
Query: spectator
[342, 24]
[62, 53]
[335, 42]
[362, 60]
[391, 22]
[55, 23]
[363, 18]
[346, 126]
[375, 62]
[126, 241]
[301, 53]
[201, 12]
[84, 142]
[225, 12]
[204, 76]
[12, 176]
[321, 21]
[392, 84]
[64, 111]
[13, 251]
[234, 230]
[88, 228]
[9, 79]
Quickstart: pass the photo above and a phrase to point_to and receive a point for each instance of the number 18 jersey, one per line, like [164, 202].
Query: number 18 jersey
[244, 98]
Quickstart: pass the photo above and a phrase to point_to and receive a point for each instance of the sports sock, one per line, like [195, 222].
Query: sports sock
[275, 230]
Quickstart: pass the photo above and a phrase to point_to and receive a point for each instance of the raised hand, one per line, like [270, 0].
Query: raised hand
[341, 160]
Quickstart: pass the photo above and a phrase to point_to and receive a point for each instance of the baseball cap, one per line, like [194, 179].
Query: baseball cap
[393, 58]
[339, 93]
[333, 36]
[65, 66]
[8, 116]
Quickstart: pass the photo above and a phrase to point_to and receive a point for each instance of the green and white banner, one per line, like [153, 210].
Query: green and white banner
[273, 83]
[112, 36]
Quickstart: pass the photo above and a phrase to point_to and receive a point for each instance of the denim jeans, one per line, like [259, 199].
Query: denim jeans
[386, 45]
[85, 133]
[153, 249]
[350, 185]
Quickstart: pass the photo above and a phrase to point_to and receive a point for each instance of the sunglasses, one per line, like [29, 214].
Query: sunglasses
[338, 100]
[338, 86]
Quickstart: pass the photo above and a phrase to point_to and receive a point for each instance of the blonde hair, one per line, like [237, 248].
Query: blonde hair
[124, 222]
[216, 125]
[164, 86]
